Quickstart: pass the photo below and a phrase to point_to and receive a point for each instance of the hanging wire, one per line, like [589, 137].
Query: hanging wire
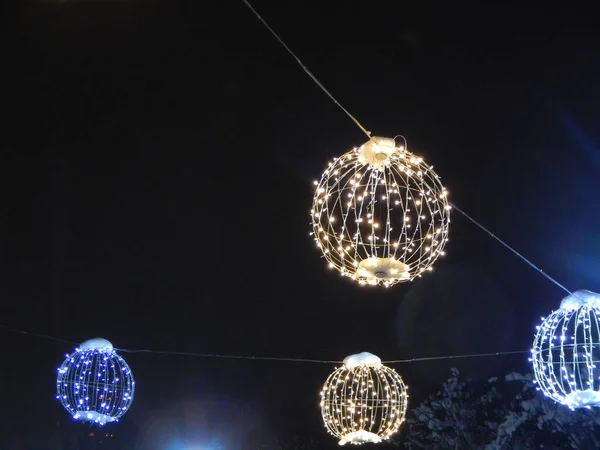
[38, 335]
[511, 249]
[262, 358]
[439, 358]
[210, 355]
[308, 72]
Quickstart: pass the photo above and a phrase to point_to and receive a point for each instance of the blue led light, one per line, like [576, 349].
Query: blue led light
[566, 351]
[95, 384]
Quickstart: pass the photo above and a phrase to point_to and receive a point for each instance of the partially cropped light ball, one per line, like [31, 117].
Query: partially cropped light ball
[363, 401]
[95, 384]
[380, 215]
[566, 351]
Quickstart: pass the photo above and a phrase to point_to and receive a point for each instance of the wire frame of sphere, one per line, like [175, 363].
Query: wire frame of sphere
[565, 352]
[95, 386]
[400, 212]
[373, 399]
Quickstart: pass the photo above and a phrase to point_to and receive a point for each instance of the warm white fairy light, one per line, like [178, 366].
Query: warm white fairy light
[380, 215]
[566, 350]
[95, 384]
[363, 401]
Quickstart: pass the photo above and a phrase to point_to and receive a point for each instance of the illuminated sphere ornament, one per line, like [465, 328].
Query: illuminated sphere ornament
[363, 401]
[95, 384]
[380, 215]
[566, 350]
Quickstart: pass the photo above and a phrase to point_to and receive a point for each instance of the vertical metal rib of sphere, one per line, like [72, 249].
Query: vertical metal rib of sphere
[363, 398]
[565, 351]
[95, 381]
[400, 211]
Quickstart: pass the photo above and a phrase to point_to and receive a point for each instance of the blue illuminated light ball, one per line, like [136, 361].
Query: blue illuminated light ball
[95, 384]
[566, 351]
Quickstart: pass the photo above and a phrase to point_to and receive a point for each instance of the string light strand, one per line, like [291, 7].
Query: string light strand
[308, 72]
[263, 358]
[532, 265]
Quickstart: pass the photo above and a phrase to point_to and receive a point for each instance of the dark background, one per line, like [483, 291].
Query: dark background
[157, 167]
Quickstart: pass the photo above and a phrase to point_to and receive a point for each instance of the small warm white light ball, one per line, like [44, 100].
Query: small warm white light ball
[566, 351]
[363, 401]
[95, 384]
[380, 215]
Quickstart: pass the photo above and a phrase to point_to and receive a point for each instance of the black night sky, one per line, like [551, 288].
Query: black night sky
[158, 160]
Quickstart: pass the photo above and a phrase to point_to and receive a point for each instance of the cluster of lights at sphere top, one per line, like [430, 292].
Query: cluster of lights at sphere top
[95, 384]
[566, 350]
[363, 401]
[380, 215]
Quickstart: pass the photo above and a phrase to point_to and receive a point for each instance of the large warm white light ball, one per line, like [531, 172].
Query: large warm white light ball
[363, 401]
[380, 214]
